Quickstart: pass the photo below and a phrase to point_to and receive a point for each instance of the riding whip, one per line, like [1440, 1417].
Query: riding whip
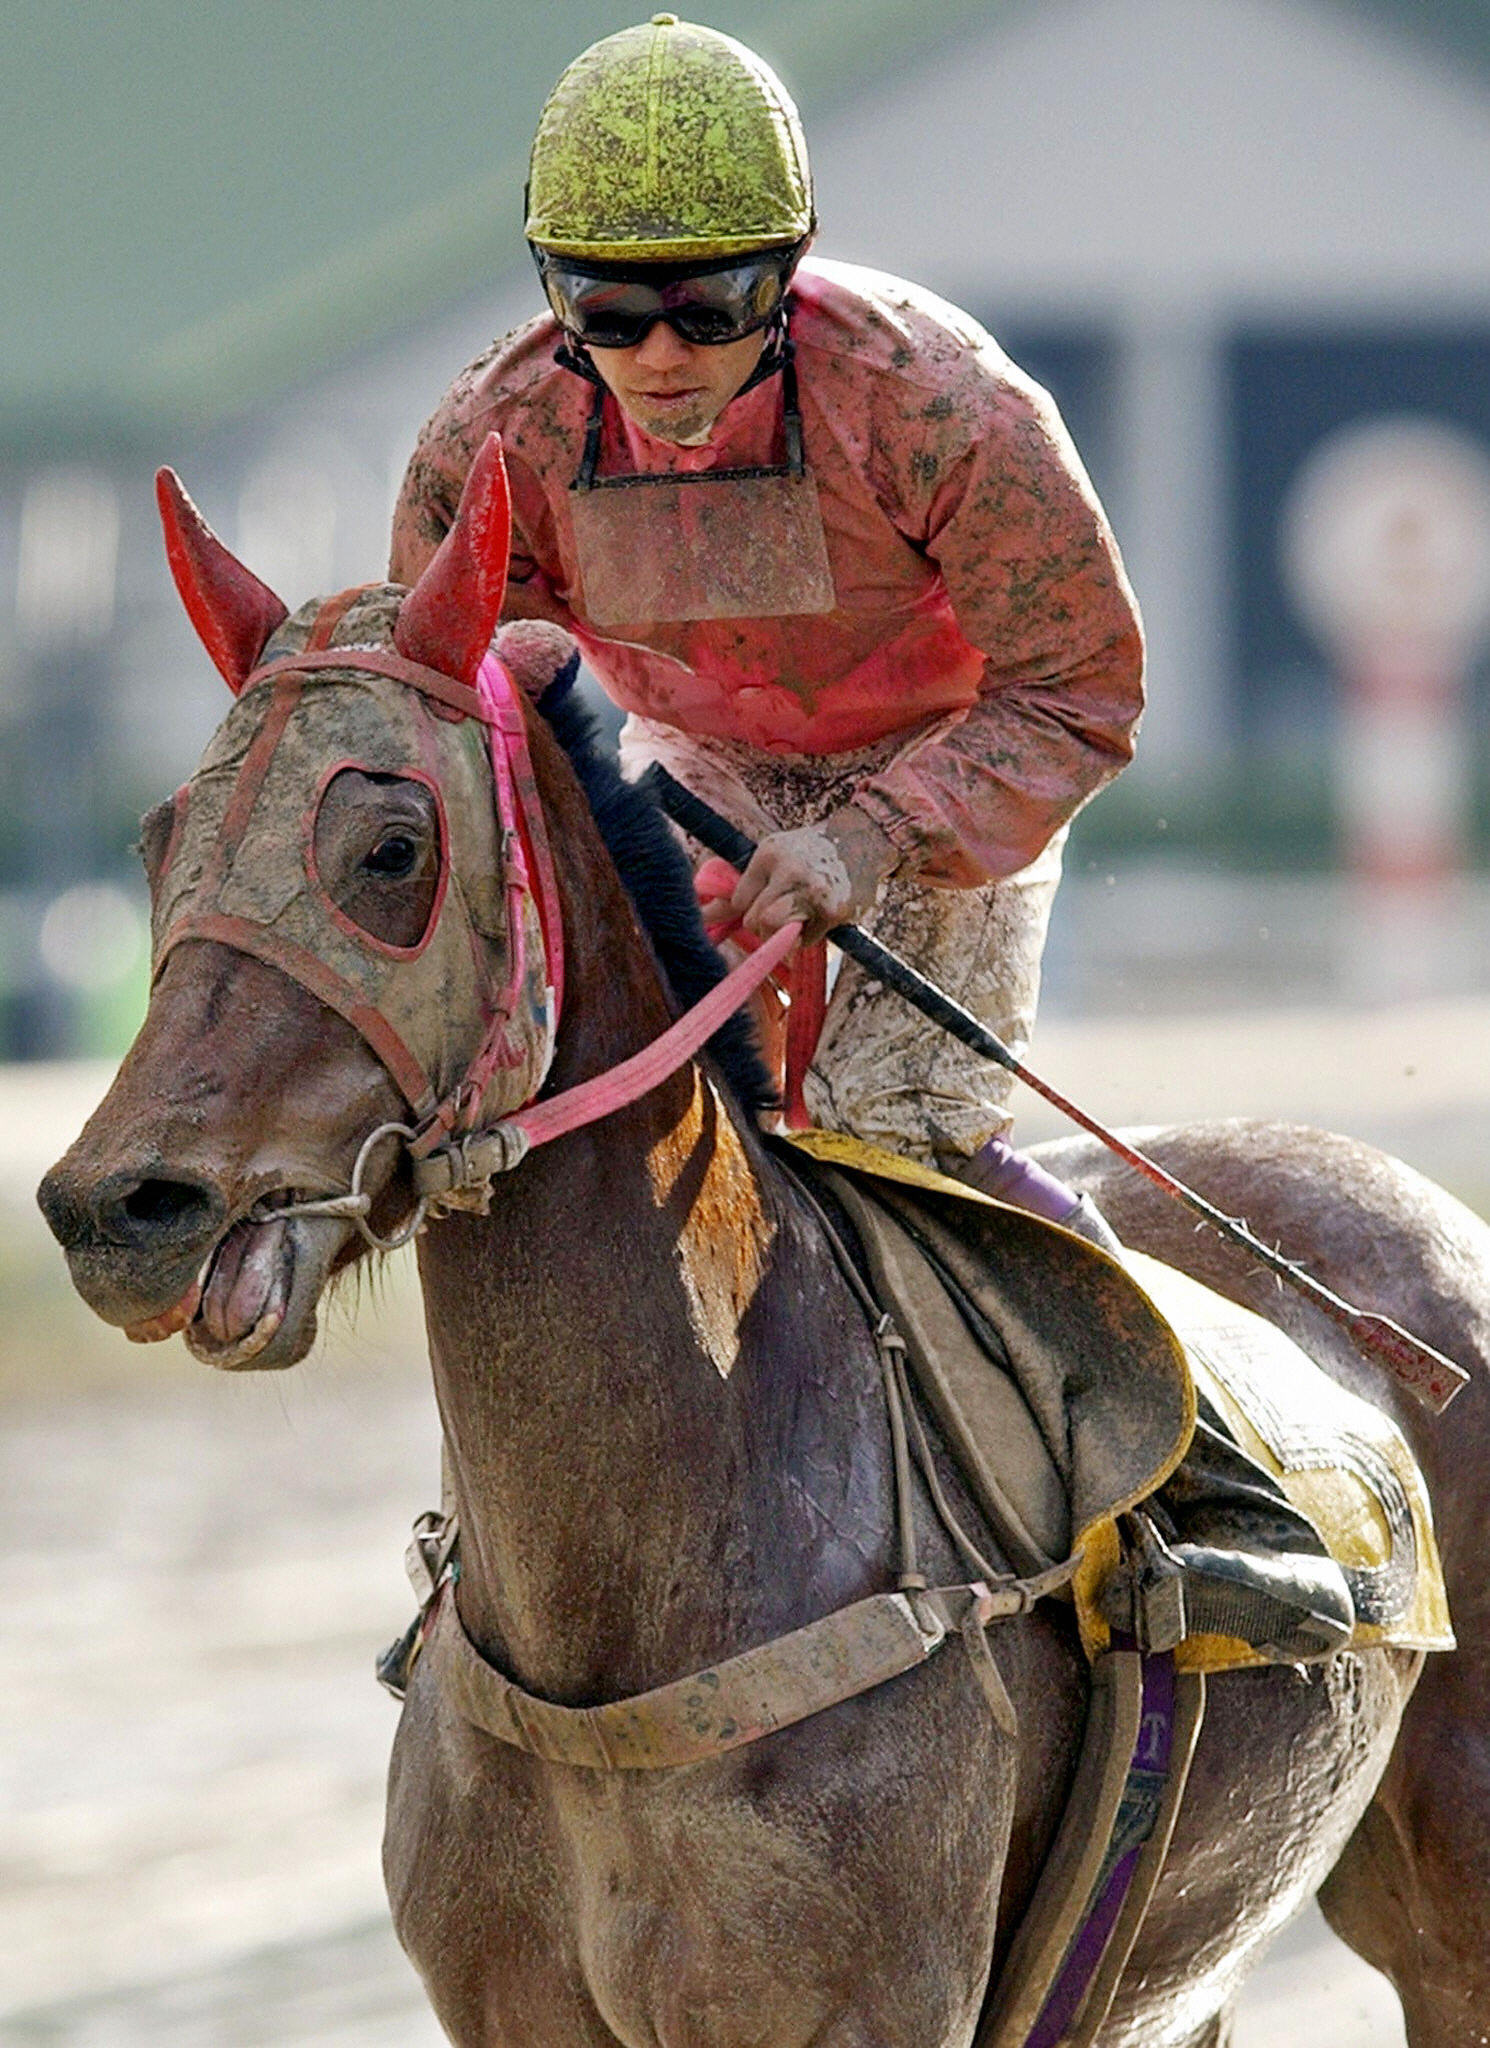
[1431, 1377]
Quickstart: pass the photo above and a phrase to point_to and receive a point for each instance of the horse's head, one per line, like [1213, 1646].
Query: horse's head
[345, 936]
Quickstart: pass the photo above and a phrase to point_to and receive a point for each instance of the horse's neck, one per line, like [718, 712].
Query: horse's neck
[660, 1403]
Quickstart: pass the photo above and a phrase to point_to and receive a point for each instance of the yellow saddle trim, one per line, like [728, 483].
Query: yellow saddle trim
[838, 1148]
[1343, 1462]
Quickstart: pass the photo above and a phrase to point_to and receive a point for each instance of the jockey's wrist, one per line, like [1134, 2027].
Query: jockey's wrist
[868, 854]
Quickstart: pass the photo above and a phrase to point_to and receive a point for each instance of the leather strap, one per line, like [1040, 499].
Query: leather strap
[323, 982]
[808, 982]
[726, 1705]
[379, 661]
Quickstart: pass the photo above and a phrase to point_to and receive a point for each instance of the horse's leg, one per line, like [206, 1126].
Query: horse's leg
[1411, 1894]
[475, 1890]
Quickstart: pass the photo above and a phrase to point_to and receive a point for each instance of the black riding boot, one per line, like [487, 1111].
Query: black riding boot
[1221, 1550]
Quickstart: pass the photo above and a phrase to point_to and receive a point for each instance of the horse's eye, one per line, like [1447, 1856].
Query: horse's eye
[393, 857]
[376, 853]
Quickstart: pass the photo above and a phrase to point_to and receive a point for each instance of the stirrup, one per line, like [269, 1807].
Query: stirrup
[1294, 1607]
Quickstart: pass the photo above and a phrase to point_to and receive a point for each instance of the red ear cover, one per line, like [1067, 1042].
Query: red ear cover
[447, 619]
[233, 612]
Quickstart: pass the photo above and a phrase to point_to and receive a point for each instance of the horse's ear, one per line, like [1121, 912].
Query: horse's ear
[447, 619]
[233, 612]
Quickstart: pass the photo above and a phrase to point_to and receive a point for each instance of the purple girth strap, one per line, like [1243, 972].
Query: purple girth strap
[1148, 1773]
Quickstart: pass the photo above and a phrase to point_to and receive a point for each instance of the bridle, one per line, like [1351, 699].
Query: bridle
[454, 1156]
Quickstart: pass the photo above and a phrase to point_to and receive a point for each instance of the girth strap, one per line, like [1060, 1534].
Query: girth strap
[731, 1703]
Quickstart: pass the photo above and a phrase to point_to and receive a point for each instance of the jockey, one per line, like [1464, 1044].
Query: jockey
[837, 559]
[884, 628]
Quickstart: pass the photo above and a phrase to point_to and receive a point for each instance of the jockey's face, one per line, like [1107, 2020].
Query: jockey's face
[673, 388]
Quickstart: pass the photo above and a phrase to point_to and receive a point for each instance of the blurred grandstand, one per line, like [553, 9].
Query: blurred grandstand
[257, 242]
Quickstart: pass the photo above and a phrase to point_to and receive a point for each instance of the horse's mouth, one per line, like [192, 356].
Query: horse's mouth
[253, 1301]
[245, 1289]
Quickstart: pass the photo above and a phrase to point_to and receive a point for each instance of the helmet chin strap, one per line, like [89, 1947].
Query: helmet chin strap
[776, 352]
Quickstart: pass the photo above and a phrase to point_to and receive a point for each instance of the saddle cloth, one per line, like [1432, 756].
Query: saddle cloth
[1064, 1384]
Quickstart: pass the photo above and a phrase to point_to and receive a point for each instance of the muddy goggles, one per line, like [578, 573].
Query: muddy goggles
[616, 306]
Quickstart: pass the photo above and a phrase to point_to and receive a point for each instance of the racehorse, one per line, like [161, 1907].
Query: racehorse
[663, 1409]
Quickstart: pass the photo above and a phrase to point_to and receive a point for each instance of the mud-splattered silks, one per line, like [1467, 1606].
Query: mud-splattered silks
[731, 543]
[464, 1018]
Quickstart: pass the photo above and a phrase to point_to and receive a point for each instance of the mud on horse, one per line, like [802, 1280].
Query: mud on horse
[663, 1403]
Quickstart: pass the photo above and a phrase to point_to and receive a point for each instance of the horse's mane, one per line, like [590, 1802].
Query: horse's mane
[657, 878]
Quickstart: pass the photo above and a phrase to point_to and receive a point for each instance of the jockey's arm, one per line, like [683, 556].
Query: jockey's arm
[428, 496]
[430, 493]
[1036, 581]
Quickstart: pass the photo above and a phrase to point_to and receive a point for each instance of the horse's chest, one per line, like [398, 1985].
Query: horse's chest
[736, 1903]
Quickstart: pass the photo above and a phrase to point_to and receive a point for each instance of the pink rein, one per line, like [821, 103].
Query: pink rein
[590, 1100]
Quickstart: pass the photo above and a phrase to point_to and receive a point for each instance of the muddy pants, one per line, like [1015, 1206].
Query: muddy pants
[883, 1071]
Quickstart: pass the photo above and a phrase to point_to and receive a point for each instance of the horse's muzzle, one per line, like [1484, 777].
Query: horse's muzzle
[134, 1238]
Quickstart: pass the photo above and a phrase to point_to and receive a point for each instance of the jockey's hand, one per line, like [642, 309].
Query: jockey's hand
[823, 874]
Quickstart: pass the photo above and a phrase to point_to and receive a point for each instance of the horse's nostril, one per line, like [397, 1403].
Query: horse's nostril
[143, 1210]
[129, 1210]
[163, 1202]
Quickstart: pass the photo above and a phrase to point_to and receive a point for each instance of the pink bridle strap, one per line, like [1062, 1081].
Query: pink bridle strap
[473, 1161]
[500, 706]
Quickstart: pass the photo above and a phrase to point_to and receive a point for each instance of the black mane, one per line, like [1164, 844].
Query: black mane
[657, 878]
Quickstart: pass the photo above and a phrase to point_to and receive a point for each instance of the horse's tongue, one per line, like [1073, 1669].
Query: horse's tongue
[245, 1276]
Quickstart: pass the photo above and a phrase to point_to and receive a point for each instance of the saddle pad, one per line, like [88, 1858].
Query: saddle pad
[1106, 1393]
[1339, 1459]
[1106, 1356]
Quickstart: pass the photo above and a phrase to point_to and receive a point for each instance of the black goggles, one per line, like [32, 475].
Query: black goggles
[617, 307]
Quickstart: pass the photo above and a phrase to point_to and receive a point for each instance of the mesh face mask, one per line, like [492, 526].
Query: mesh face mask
[241, 869]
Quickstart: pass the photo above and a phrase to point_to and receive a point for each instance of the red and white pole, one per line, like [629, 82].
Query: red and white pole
[1387, 541]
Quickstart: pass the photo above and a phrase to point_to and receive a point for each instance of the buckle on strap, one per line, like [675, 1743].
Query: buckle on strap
[1145, 1596]
[469, 1162]
[431, 1561]
[431, 1553]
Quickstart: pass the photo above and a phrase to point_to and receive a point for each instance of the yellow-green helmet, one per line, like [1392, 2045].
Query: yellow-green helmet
[666, 143]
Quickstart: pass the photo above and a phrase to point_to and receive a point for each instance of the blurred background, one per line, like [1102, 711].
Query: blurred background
[1246, 245]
